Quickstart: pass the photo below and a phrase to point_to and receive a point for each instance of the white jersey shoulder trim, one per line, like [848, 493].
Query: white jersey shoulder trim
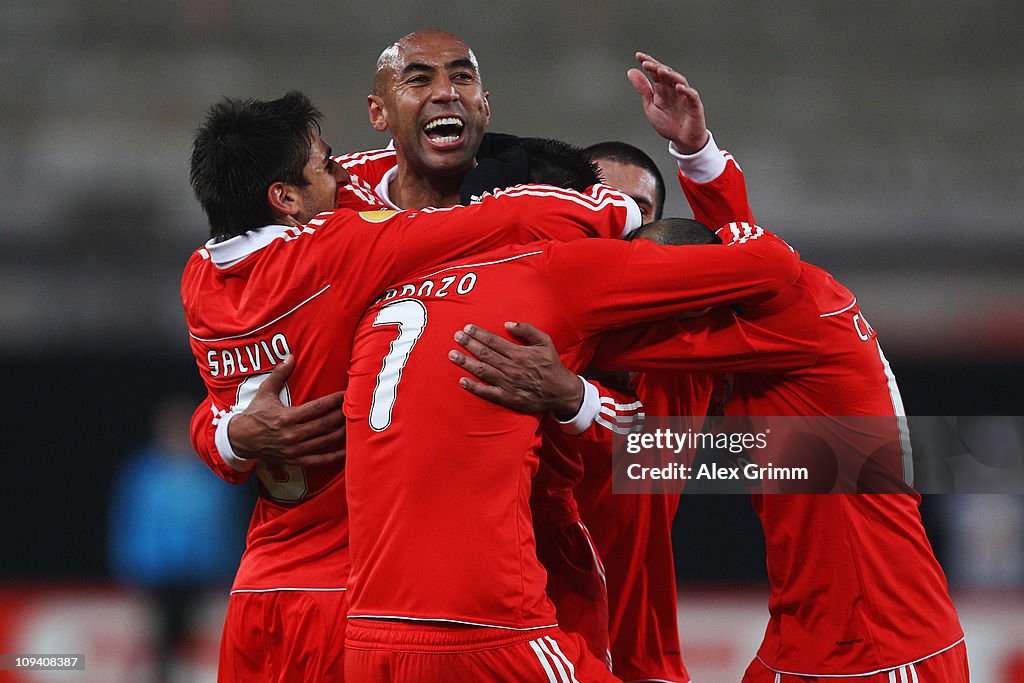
[741, 232]
[382, 191]
[231, 251]
[596, 198]
[356, 158]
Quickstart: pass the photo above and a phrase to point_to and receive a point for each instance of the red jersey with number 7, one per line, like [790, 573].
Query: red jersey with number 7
[438, 479]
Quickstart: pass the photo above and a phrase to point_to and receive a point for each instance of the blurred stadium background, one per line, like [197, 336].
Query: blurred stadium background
[884, 140]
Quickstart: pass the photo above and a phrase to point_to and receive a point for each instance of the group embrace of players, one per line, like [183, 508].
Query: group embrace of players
[416, 523]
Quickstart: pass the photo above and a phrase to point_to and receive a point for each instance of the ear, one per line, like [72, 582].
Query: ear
[487, 107]
[283, 199]
[375, 107]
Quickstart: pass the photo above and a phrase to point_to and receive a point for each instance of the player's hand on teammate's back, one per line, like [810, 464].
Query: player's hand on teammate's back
[309, 434]
[528, 377]
[671, 104]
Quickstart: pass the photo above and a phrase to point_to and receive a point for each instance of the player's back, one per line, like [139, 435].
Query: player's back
[439, 480]
[855, 584]
[248, 306]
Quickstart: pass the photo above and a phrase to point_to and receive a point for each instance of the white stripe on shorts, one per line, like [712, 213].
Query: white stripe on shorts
[543, 661]
[568, 664]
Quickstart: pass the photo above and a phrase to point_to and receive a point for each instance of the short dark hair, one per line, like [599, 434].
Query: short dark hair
[242, 148]
[676, 232]
[625, 153]
[554, 162]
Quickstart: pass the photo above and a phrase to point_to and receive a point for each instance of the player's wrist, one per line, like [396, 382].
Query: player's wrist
[588, 408]
[567, 405]
[692, 143]
[702, 166]
[222, 439]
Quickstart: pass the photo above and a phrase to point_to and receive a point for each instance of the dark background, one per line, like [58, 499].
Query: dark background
[882, 139]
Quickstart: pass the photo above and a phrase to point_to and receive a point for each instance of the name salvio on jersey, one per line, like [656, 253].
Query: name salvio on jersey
[432, 287]
[256, 356]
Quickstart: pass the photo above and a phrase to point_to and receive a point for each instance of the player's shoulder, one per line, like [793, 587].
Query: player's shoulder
[369, 164]
[594, 195]
[830, 295]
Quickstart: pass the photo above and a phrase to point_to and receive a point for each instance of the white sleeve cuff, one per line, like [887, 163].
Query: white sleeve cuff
[588, 412]
[634, 219]
[703, 166]
[227, 454]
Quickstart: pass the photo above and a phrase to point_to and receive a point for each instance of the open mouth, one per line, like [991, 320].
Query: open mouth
[444, 130]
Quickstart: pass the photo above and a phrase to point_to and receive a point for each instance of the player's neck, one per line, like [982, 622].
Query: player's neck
[412, 190]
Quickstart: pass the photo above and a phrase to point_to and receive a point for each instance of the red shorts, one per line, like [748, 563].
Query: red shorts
[284, 637]
[948, 666]
[576, 584]
[378, 651]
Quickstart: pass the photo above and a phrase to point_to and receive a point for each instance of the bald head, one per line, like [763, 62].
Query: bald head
[393, 60]
[428, 96]
[676, 232]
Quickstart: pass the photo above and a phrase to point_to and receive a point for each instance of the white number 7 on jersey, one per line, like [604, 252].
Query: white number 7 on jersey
[411, 317]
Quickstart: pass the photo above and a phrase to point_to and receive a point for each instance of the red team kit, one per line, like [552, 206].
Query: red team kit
[426, 534]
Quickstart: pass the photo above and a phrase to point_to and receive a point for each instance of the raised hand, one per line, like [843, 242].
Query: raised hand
[671, 104]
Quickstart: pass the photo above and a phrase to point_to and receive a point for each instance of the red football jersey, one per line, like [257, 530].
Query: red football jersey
[251, 300]
[552, 503]
[855, 587]
[439, 480]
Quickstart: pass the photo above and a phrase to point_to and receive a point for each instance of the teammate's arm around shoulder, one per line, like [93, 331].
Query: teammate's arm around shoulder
[640, 281]
[412, 240]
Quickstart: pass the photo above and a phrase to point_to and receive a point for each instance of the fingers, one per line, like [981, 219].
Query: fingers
[489, 340]
[641, 85]
[529, 334]
[495, 395]
[324, 435]
[277, 378]
[486, 346]
[477, 368]
[660, 73]
[317, 408]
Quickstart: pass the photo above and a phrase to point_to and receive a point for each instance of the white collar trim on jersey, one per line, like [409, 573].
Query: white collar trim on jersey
[229, 252]
[382, 188]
